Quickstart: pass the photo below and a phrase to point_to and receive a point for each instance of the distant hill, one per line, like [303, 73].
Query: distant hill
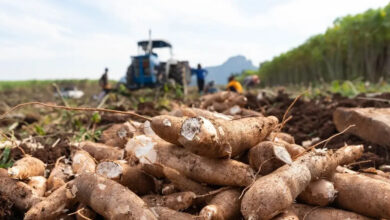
[235, 64]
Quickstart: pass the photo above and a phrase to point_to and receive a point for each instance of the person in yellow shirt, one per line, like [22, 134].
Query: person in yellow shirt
[234, 85]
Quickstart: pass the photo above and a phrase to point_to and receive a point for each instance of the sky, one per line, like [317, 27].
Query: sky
[59, 39]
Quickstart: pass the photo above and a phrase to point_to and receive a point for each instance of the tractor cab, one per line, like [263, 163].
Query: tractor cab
[146, 70]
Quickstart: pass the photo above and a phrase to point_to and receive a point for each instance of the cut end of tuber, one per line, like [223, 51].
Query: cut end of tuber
[109, 169]
[209, 212]
[190, 128]
[325, 189]
[235, 110]
[193, 126]
[147, 128]
[143, 148]
[282, 154]
[13, 172]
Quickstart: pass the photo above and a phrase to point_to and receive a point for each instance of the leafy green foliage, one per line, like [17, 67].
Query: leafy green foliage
[141, 99]
[164, 103]
[5, 158]
[85, 134]
[179, 91]
[346, 88]
[355, 46]
[123, 90]
[173, 89]
[96, 118]
[246, 73]
[166, 88]
[39, 130]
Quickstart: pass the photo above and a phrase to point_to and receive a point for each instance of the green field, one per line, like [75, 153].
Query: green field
[39, 83]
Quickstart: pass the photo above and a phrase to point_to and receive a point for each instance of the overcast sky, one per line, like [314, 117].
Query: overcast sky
[77, 38]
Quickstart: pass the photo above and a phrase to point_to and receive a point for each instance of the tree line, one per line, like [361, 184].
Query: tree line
[355, 46]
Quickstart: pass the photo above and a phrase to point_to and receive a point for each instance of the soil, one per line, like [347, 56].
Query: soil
[313, 118]
[48, 154]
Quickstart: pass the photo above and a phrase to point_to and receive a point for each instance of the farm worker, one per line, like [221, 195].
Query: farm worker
[103, 82]
[234, 85]
[210, 88]
[200, 76]
[251, 81]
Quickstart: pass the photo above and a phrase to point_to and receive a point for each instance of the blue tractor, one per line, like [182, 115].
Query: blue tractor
[146, 70]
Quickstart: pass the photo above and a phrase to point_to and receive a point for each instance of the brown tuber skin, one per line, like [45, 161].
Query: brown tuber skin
[281, 136]
[38, 184]
[208, 100]
[167, 189]
[193, 112]
[263, 158]
[225, 205]
[220, 106]
[223, 172]
[82, 162]
[154, 170]
[118, 134]
[3, 172]
[109, 198]
[132, 177]
[239, 112]
[363, 194]
[273, 193]
[250, 113]
[316, 213]
[168, 127]
[54, 205]
[236, 110]
[376, 174]
[164, 213]
[214, 138]
[318, 193]
[27, 167]
[101, 151]
[58, 176]
[18, 192]
[183, 183]
[287, 215]
[340, 169]
[175, 201]
[146, 129]
[288, 142]
[294, 149]
[233, 100]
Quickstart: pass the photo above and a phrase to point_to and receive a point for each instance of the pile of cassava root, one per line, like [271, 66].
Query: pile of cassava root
[198, 164]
